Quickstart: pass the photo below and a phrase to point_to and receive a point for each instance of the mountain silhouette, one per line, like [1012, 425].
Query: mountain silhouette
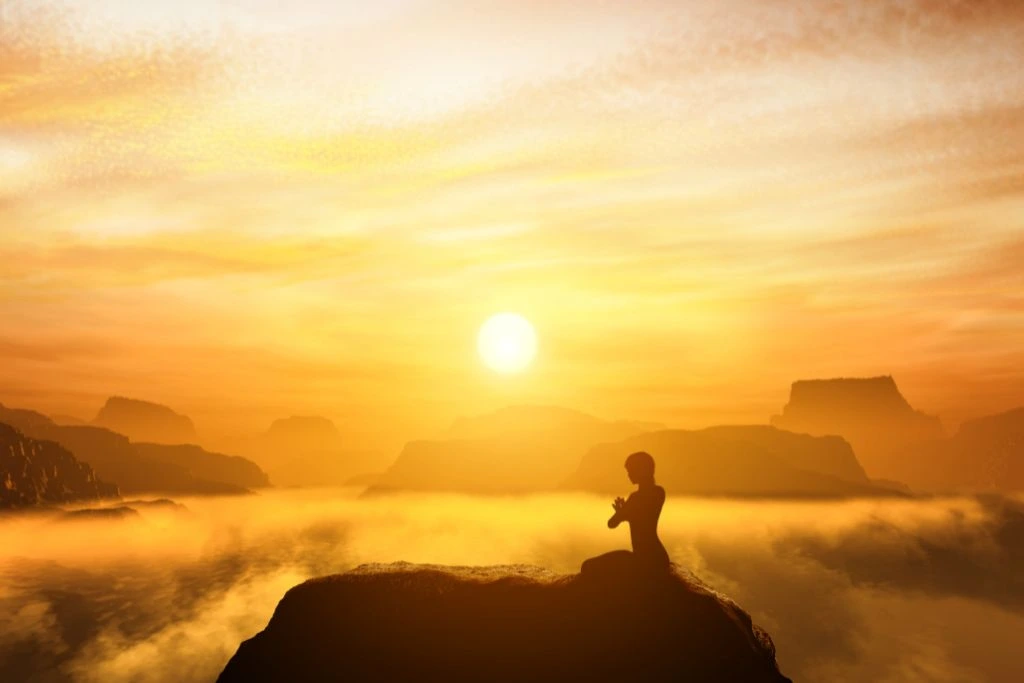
[985, 455]
[34, 472]
[407, 622]
[871, 414]
[229, 469]
[514, 450]
[740, 461]
[115, 459]
[146, 422]
[306, 451]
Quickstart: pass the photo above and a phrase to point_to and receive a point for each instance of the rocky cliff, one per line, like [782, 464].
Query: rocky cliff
[425, 623]
[870, 413]
[115, 459]
[36, 472]
[754, 461]
[146, 422]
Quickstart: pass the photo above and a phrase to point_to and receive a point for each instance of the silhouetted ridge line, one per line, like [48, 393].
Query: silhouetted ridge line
[146, 421]
[34, 472]
[405, 622]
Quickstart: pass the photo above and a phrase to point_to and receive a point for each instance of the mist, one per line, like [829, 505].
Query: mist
[884, 590]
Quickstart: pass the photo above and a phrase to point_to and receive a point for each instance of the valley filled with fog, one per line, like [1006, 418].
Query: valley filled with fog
[880, 589]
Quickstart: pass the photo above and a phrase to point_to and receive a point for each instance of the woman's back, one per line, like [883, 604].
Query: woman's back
[643, 509]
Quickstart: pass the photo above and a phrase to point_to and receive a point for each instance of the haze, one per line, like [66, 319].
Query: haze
[247, 212]
[866, 590]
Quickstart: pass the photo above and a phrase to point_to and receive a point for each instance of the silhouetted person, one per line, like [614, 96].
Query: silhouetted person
[642, 510]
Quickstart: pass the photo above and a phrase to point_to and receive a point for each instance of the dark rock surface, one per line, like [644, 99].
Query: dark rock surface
[145, 421]
[36, 472]
[407, 622]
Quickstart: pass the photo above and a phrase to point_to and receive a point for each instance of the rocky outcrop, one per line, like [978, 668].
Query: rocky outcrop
[870, 413]
[514, 450]
[36, 472]
[229, 469]
[146, 422]
[755, 461]
[426, 623]
[115, 459]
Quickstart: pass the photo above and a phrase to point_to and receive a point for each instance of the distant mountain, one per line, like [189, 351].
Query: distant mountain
[34, 472]
[115, 459]
[306, 451]
[68, 420]
[229, 469]
[146, 422]
[513, 450]
[754, 461]
[986, 454]
[871, 414]
[544, 420]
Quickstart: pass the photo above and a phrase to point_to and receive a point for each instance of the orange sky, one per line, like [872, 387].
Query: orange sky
[247, 212]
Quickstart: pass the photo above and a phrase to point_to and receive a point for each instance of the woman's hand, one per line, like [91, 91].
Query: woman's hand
[619, 504]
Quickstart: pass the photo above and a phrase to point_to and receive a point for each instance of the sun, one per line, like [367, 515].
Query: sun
[507, 342]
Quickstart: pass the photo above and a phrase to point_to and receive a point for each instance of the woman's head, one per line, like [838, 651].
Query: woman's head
[640, 467]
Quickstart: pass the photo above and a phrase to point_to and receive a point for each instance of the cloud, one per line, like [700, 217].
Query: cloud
[896, 590]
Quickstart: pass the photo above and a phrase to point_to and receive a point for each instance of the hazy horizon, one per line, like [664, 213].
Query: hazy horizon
[247, 213]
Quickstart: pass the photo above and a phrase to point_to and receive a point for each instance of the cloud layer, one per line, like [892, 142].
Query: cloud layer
[887, 591]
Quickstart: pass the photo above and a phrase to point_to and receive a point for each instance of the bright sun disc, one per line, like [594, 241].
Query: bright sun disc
[507, 342]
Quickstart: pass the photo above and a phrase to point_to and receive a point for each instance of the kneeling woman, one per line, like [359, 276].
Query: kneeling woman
[642, 510]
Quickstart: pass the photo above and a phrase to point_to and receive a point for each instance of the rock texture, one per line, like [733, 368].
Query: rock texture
[41, 472]
[514, 450]
[145, 421]
[426, 623]
[755, 461]
[870, 413]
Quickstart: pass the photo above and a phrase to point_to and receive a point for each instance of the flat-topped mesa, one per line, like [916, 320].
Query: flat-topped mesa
[307, 431]
[36, 472]
[407, 622]
[837, 406]
[145, 421]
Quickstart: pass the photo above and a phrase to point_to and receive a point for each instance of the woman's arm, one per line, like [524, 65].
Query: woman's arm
[620, 513]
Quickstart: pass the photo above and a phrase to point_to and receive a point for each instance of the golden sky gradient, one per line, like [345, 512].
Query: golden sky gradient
[247, 212]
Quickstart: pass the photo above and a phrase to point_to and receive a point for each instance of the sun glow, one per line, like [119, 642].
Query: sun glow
[507, 342]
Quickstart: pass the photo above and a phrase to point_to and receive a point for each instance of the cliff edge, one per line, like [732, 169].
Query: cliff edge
[406, 622]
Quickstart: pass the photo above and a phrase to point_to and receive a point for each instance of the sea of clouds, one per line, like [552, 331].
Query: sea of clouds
[880, 590]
